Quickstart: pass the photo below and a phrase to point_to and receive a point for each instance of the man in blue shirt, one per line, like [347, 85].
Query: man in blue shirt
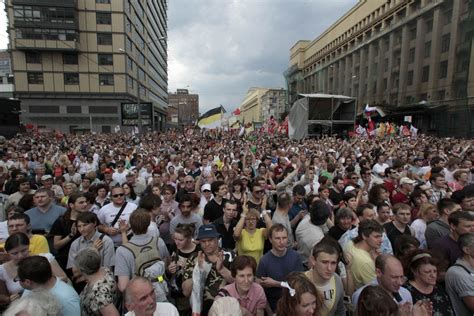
[35, 273]
[46, 211]
[276, 264]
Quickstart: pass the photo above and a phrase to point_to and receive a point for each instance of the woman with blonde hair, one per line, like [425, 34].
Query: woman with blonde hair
[428, 212]
[299, 297]
[250, 239]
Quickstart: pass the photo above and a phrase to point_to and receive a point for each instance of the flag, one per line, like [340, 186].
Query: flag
[212, 118]
[236, 112]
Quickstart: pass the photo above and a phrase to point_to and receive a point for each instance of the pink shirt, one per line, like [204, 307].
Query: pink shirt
[255, 298]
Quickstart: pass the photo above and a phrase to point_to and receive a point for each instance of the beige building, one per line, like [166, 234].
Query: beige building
[395, 53]
[76, 61]
[251, 107]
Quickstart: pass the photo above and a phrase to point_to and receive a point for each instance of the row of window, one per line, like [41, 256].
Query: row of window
[70, 78]
[70, 59]
[44, 14]
[47, 34]
[73, 109]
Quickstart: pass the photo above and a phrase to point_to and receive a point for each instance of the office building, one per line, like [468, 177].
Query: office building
[183, 107]
[398, 54]
[75, 62]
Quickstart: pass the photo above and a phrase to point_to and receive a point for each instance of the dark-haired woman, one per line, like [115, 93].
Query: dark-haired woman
[422, 273]
[185, 248]
[17, 248]
[64, 229]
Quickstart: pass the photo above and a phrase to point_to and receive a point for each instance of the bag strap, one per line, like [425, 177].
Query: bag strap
[115, 219]
[464, 268]
[118, 215]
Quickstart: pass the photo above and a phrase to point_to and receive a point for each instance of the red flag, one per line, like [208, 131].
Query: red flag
[236, 112]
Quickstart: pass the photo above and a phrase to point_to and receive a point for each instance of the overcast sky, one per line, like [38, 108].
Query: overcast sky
[220, 48]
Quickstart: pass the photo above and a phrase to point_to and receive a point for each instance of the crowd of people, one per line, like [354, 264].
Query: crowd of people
[198, 222]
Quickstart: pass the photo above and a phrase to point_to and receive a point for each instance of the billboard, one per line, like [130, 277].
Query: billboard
[130, 114]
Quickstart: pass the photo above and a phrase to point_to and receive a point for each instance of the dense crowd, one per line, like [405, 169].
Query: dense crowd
[201, 222]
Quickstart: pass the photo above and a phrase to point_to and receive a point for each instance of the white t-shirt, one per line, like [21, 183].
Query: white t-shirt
[419, 226]
[379, 168]
[107, 214]
[162, 309]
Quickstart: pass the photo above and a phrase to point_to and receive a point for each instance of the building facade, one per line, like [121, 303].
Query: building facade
[183, 107]
[251, 106]
[395, 53]
[6, 76]
[274, 104]
[76, 61]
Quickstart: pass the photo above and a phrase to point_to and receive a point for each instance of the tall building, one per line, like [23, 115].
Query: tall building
[75, 62]
[6, 77]
[274, 104]
[183, 107]
[396, 53]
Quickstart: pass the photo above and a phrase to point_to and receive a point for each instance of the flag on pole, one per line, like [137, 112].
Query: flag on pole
[212, 118]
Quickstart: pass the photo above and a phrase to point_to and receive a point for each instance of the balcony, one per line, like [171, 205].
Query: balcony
[50, 45]
[47, 3]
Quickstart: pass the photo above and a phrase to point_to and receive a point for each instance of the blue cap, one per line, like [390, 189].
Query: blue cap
[207, 231]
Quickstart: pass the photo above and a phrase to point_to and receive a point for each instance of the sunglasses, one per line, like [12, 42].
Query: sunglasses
[206, 190]
[17, 279]
[120, 166]
[118, 195]
[259, 191]
[191, 181]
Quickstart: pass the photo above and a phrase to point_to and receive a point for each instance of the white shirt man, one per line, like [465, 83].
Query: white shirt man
[108, 213]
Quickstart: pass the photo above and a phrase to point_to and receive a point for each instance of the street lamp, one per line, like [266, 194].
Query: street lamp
[140, 127]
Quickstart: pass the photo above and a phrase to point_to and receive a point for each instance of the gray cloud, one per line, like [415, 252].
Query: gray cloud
[220, 48]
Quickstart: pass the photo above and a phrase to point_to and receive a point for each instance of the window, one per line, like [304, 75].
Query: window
[427, 49]
[103, 18]
[44, 109]
[102, 1]
[35, 78]
[443, 69]
[99, 109]
[106, 129]
[71, 78]
[445, 42]
[447, 16]
[106, 79]
[441, 94]
[129, 63]
[413, 33]
[411, 56]
[429, 25]
[104, 38]
[425, 74]
[106, 59]
[74, 109]
[410, 78]
[70, 59]
[33, 58]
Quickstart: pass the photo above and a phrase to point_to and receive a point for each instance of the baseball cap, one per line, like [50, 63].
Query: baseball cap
[46, 177]
[207, 231]
[349, 188]
[108, 170]
[205, 187]
[406, 180]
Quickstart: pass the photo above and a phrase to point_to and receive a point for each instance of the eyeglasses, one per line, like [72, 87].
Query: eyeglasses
[118, 195]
